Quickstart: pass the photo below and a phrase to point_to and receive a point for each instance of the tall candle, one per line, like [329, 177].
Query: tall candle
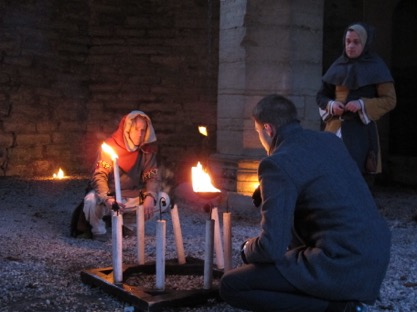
[117, 222]
[108, 149]
[140, 234]
[218, 246]
[117, 219]
[178, 234]
[227, 238]
[160, 254]
[208, 254]
[117, 179]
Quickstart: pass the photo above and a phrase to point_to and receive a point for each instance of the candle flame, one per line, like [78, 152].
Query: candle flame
[201, 180]
[59, 175]
[203, 130]
[107, 149]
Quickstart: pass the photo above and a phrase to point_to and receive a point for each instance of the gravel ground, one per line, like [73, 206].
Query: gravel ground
[41, 264]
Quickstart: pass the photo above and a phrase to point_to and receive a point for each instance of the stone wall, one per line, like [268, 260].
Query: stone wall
[266, 47]
[71, 69]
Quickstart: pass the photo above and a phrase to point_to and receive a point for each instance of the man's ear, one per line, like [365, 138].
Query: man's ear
[269, 130]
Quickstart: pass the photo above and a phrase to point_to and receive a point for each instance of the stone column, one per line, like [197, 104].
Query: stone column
[265, 46]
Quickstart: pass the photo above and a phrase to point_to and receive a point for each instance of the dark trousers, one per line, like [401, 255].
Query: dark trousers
[263, 288]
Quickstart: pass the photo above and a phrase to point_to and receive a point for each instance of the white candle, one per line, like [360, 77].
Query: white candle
[227, 238]
[178, 234]
[208, 255]
[117, 179]
[117, 219]
[108, 149]
[160, 254]
[218, 246]
[140, 234]
[117, 222]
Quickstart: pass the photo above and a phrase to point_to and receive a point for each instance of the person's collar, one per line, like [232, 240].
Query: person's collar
[282, 133]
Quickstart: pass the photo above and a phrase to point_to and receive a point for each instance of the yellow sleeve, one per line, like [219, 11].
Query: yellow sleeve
[384, 102]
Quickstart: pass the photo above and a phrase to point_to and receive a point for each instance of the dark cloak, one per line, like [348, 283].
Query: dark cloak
[360, 75]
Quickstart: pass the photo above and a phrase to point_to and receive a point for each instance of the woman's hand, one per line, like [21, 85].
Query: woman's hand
[353, 106]
[338, 108]
[148, 207]
[110, 202]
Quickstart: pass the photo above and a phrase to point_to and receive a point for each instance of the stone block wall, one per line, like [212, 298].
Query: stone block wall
[266, 47]
[70, 69]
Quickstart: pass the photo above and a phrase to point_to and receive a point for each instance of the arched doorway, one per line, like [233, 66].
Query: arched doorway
[404, 69]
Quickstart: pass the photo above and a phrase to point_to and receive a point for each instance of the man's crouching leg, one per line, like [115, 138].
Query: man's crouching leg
[261, 287]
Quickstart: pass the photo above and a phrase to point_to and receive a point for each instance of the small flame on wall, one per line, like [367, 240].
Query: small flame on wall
[201, 180]
[59, 175]
[203, 130]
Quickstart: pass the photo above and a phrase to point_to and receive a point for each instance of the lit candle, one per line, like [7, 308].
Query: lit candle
[227, 238]
[107, 149]
[117, 180]
[218, 246]
[140, 234]
[117, 219]
[208, 254]
[160, 254]
[178, 234]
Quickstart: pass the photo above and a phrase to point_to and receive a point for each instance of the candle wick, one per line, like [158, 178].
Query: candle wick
[162, 202]
[115, 207]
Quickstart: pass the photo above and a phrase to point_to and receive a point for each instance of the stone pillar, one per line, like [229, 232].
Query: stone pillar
[265, 46]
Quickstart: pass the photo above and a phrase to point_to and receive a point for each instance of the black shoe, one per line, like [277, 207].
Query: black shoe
[346, 306]
[355, 307]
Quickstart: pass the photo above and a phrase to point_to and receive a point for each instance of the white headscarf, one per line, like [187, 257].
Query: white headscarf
[150, 135]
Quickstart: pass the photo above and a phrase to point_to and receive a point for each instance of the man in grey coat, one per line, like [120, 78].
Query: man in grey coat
[323, 246]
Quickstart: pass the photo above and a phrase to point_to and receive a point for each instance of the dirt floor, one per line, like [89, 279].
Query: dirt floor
[41, 264]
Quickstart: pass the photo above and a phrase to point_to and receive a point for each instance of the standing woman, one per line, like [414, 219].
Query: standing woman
[356, 91]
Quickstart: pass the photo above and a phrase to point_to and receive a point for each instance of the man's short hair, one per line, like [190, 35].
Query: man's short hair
[276, 110]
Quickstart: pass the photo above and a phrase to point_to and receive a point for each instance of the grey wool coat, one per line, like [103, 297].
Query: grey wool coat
[320, 225]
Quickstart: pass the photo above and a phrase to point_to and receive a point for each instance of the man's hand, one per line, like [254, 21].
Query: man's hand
[256, 197]
[243, 252]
